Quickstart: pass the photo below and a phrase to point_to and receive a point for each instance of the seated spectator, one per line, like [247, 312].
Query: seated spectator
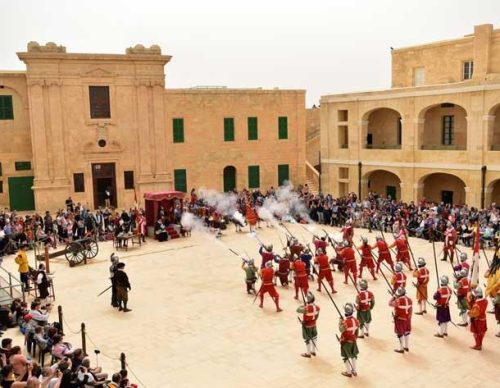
[115, 381]
[39, 317]
[5, 351]
[61, 349]
[8, 377]
[21, 368]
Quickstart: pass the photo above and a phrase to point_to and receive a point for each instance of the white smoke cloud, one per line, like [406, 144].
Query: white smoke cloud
[191, 222]
[224, 203]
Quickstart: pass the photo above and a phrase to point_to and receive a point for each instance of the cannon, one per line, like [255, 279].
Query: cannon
[76, 251]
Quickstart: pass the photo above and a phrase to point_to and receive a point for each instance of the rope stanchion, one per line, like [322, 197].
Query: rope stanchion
[84, 342]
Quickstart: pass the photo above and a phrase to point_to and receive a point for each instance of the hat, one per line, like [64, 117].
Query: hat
[28, 317]
[121, 265]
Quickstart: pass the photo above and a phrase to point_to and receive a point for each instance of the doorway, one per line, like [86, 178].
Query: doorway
[229, 178]
[21, 195]
[104, 184]
[447, 197]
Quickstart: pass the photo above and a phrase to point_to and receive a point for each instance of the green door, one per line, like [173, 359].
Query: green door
[21, 194]
[390, 190]
[229, 178]
[283, 173]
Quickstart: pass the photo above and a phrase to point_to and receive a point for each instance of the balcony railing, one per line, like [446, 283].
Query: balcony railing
[442, 147]
[383, 146]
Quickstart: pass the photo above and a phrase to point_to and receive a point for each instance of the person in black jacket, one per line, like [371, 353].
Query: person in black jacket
[122, 287]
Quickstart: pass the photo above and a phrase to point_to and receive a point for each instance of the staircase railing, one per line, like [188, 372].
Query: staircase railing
[313, 175]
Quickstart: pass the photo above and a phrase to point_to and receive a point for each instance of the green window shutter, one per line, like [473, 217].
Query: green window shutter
[253, 133]
[6, 108]
[283, 127]
[228, 129]
[283, 173]
[178, 128]
[180, 180]
[22, 166]
[253, 177]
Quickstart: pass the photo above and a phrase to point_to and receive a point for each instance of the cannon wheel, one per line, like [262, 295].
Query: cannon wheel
[74, 253]
[91, 248]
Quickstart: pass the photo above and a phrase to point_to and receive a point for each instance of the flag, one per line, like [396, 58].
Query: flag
[474, 275]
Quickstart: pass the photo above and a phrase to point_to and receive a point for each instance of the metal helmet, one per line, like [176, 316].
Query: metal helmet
[421, 262]
[269, 264]
[347, 244]
[113, 258]
[319, 251]
[478, 292]
[294, 241]
[364, 240]
[310, 297]
[250, 261]
[378, 238]
[444, 280]
[348, 309]
[463, 257]
[398, 267]
[363, 284]
[400, 291]
[269, 247]
[463, 272]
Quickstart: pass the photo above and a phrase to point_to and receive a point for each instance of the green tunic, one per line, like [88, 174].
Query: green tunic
[462, 304]
[250, 271]
[349, 350]
[364, 317]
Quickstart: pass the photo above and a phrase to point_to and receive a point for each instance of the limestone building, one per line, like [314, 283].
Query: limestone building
[80, 124]
[434, 134]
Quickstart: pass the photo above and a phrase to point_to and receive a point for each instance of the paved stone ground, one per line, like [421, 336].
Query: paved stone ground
[193, 325]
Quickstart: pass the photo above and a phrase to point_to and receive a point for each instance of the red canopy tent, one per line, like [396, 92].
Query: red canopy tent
[155, 200]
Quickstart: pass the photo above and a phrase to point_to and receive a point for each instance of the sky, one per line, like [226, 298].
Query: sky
[324, 47]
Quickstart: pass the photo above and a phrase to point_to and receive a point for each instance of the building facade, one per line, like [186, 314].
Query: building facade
[82, 124]
[435, 134]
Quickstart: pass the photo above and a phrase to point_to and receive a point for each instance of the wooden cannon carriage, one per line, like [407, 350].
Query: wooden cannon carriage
[75, 252]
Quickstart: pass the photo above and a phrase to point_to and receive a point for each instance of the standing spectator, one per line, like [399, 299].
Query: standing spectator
[22, 262]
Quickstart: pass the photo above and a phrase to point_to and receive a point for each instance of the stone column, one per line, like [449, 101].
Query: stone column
[418, 192]
[144, 125]
[419, 128]
[488, 131]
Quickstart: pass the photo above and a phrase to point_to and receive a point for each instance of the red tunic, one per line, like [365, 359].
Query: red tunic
[422, 275]
[399, 280]
[347, 233]
[300, 274]
[351, 325]
[444, 296]
[366, 256]
[383, 251]
[296, 250]
[478, 323]
[310, 316]
[402, 254]
[402, 315]
[365, 299]
[267, 282]
[320, 244]
[324, 267]
[348, 255]
[266, 256]
[464, 287]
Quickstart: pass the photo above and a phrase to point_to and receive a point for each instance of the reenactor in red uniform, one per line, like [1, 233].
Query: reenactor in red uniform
[267, 254]
[442, 297]
[310, 314]
[463, 262]
[477, 314]
[398, 277]
[349, 259]
[450, 239]
[365, 302]
[347, 232]
[301, 280]
[462, 285]
[348, 346]
[402, 251]
[320, 243]
[267, 276]
[384, 254]
[295, 248]
[324, 270]
[402, 319]
[283, 269]
[366, 258]
[422, 276]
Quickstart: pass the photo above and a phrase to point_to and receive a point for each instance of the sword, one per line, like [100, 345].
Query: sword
[105, 290]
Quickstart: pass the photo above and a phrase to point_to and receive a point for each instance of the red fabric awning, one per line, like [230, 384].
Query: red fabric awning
[164, 195]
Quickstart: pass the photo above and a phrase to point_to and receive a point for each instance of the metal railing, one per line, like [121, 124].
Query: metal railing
[8, 291]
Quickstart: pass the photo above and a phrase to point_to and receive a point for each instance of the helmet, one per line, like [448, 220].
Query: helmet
[348, 309]
[444, 280]
[463, 257]
[250, 261]
[319, 251]
[364, 240]
[378, 238]
[400, 291]
[398, 267]
[421, 262]
[464, 272]
[310, 297]
[347, 244]
[363, 284]
[269, 247]
[478, 292]
[294, 241]
[113, 258]
[269, 264]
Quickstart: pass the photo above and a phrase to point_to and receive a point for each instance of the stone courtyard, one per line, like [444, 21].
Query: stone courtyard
[193, 325]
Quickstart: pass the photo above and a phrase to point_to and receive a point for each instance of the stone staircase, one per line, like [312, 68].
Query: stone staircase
[313, 187]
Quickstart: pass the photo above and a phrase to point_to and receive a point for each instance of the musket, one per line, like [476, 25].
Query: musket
[104, 290]
[383, 238]
[435, 262]
[300, 320]
[348, 358]
[328, 292]
[407, 238]
[284, 226]
[486, 257]
[237, 254]
[303, 227]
